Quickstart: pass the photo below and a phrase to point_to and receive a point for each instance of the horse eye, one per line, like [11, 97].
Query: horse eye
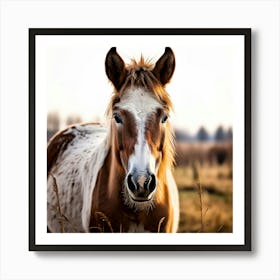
[164, 118]
[117, 118]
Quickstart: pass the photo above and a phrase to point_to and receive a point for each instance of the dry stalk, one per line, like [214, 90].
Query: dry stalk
[200, 206]
[100, 230]
[205, 211]
[160, 223]
[220, 228]
[62, 217]
[195, 171]
[199, 189]
[104, 219]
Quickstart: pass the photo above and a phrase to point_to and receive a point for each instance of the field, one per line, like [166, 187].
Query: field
[205, 189]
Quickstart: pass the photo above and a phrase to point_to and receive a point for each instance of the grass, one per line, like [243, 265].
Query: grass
[216, 217]
[218, 178]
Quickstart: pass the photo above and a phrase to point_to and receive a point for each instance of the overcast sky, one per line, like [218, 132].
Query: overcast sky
[209, 73]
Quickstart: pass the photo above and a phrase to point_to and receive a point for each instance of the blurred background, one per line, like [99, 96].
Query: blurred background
[206, 77]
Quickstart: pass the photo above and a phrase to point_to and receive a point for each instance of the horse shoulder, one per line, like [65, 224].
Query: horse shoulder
[73, 157]
[56, 146]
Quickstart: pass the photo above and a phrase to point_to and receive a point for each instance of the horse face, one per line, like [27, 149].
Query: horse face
[140, 115]
[140, 123]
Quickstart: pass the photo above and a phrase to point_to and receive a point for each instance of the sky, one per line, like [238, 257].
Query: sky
[70, 72]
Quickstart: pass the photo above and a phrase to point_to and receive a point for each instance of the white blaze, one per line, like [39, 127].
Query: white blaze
[141, 104]
[142, 158]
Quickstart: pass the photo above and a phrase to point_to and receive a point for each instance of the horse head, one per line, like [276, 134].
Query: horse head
[141, 135]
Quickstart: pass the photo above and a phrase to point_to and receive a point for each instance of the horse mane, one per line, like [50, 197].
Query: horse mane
[140, 75]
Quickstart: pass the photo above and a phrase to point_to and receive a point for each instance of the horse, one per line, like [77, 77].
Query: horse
[118, 177]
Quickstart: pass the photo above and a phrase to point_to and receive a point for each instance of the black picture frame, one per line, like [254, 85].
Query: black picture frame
[246, 32]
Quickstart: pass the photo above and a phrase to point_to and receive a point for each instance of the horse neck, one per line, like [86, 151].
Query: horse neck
[112, 168]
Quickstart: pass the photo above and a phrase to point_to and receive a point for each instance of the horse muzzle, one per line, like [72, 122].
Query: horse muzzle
[141, 187]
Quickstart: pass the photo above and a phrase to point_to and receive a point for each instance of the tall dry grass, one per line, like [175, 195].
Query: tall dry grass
[205, 198]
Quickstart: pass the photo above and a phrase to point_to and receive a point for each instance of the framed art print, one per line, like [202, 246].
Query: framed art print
[140, 139]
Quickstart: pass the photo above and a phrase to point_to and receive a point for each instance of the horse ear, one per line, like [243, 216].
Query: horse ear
[165, 66]
[115, 68]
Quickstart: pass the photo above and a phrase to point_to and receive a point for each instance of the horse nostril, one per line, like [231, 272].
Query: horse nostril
[130, 183]
[152, 183]
[140, 188]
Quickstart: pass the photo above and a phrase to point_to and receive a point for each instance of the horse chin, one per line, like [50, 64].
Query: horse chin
[138, 204]
[141, 199]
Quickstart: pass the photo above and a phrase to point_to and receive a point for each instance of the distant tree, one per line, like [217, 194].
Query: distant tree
[73, 119]
[229, 134]
[181, 135]
[202, 134]
[53, 121]
[220, 134]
